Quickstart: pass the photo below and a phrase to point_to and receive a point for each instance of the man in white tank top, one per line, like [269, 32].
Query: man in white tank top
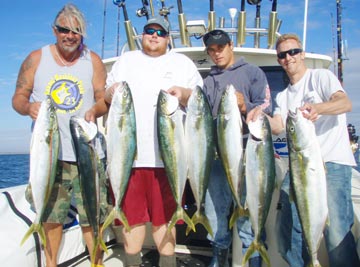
[73, 77]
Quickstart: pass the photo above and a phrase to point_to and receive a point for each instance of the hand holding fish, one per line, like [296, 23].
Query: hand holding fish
[309, 112]
[33, 110]
[90, 115]
[181, 93]
[109, 93]
[240, 102]
[253, 114]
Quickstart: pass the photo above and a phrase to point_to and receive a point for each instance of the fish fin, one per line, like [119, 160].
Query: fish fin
[256, 246]
[263, 253]
[103, 245]
[122, 217]
[116, 214]
[238, 212]
[29, 232]
[35, 228]
[98, 242]
[178, 215]
[201, 218]
[109, 219]
[188, 229]
[94, 250]
[41, 233]
[314, 264]
[251, 249]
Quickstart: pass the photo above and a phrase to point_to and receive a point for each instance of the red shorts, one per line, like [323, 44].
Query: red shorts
[148, 197]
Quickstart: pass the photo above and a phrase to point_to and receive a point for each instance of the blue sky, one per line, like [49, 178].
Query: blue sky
[27, 26]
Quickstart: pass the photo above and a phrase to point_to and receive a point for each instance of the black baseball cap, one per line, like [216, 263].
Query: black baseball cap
[216, 37]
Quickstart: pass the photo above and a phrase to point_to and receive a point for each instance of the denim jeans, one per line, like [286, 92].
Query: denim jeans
[339, 240]
[217, 208]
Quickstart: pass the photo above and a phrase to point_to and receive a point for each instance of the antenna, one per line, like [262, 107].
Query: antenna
[305, 24]
[103, 35]
[339, 39]
[333, 39]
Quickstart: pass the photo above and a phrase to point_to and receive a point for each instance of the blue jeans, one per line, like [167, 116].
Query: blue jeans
[339, 240]
[217, 208]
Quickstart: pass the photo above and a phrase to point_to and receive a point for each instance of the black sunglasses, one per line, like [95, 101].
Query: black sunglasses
[291, 52]
[151, 31]
[66, 30]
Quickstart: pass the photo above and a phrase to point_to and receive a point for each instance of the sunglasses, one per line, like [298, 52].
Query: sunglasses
[66, 30]
[291, 52]
[151, 31]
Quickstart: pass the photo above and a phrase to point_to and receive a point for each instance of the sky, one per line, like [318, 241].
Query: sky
[27, 27]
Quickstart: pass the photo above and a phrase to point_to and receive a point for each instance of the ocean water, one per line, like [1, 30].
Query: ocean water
[14, 170]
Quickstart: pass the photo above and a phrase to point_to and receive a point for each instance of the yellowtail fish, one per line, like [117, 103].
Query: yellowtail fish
[200, 147]
[308, 180]
[230, 147]
[260, 181]
[83, 134]
[171, 137]
[121, 148]
[44, 149]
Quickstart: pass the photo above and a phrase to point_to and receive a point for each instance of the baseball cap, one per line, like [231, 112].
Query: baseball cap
[216, 37]
[159, 21]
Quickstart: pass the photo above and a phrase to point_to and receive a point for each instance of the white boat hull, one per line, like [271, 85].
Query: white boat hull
[16, 215]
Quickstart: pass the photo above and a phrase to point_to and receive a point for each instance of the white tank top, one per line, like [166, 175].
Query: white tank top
[70, 88]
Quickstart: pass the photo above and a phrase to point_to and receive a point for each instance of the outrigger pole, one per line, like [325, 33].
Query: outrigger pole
[182, 25]
[165, 11]
[241, 25]
[257, 21]
[273, 25]
[339, 42]
[211, 16]
[128, 27]
[103, 35]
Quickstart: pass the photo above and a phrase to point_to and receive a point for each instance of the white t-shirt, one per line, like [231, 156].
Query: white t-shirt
[146, 76]
[316, 86]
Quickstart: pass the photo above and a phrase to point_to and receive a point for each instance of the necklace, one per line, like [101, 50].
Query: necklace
[61, 60]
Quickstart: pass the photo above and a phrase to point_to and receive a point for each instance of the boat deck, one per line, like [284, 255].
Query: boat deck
[197, 253]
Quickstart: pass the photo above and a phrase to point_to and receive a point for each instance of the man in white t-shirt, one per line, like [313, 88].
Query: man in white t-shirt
[319, 94]
[147, 71]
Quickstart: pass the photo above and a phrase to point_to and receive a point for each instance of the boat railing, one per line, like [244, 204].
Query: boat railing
[190, 32]
[197, 38]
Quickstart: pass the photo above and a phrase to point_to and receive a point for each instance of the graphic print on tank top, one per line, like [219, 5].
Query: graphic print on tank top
[66, 92]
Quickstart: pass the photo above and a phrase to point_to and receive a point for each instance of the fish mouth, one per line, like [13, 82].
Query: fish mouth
[171, 105]
[293, 114]
[89, 128]
[255, 129]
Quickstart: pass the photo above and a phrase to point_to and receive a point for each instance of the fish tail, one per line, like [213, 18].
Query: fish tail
[109, 219]
[103, 245]
[35, 228]
[256, 246]
[238, 212]
[122, 217]
[201, 218]
[116, 214]
[41, 233]
[263, 253]
[95, 248]
[178, 215]
[314, 263]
